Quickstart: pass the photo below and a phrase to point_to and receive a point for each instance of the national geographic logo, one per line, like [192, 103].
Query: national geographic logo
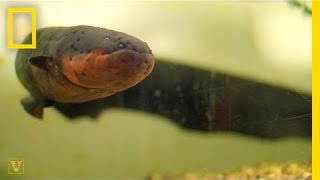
[15, 166]
[11, 12]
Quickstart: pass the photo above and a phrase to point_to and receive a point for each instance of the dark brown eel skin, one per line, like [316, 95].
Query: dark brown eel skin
[79, 64]
[82, 71]
[201, 100]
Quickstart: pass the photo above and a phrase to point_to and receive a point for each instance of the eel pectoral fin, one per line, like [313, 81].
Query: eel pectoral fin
[41, 62]
[33, 106]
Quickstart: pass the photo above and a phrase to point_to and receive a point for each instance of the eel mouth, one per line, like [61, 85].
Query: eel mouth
[115, 71]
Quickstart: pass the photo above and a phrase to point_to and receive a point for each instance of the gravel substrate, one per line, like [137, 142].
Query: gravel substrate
[263, 172]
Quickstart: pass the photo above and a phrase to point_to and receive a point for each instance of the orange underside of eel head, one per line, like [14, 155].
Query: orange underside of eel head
[116, 71]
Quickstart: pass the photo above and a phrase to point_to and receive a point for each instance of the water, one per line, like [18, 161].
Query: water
[128, 142]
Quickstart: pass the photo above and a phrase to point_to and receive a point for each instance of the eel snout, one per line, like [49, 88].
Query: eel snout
[117, 71]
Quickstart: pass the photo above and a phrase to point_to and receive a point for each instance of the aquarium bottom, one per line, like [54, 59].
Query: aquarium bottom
[262, 172]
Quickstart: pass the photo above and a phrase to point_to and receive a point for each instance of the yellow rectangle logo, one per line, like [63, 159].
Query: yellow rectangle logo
[11, 44]
[15, 166]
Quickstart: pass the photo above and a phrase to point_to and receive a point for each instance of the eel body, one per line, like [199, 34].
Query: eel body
[207, 101]
[79, 64]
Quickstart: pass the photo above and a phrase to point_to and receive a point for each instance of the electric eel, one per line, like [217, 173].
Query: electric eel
[83, 71]
[79, 64]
